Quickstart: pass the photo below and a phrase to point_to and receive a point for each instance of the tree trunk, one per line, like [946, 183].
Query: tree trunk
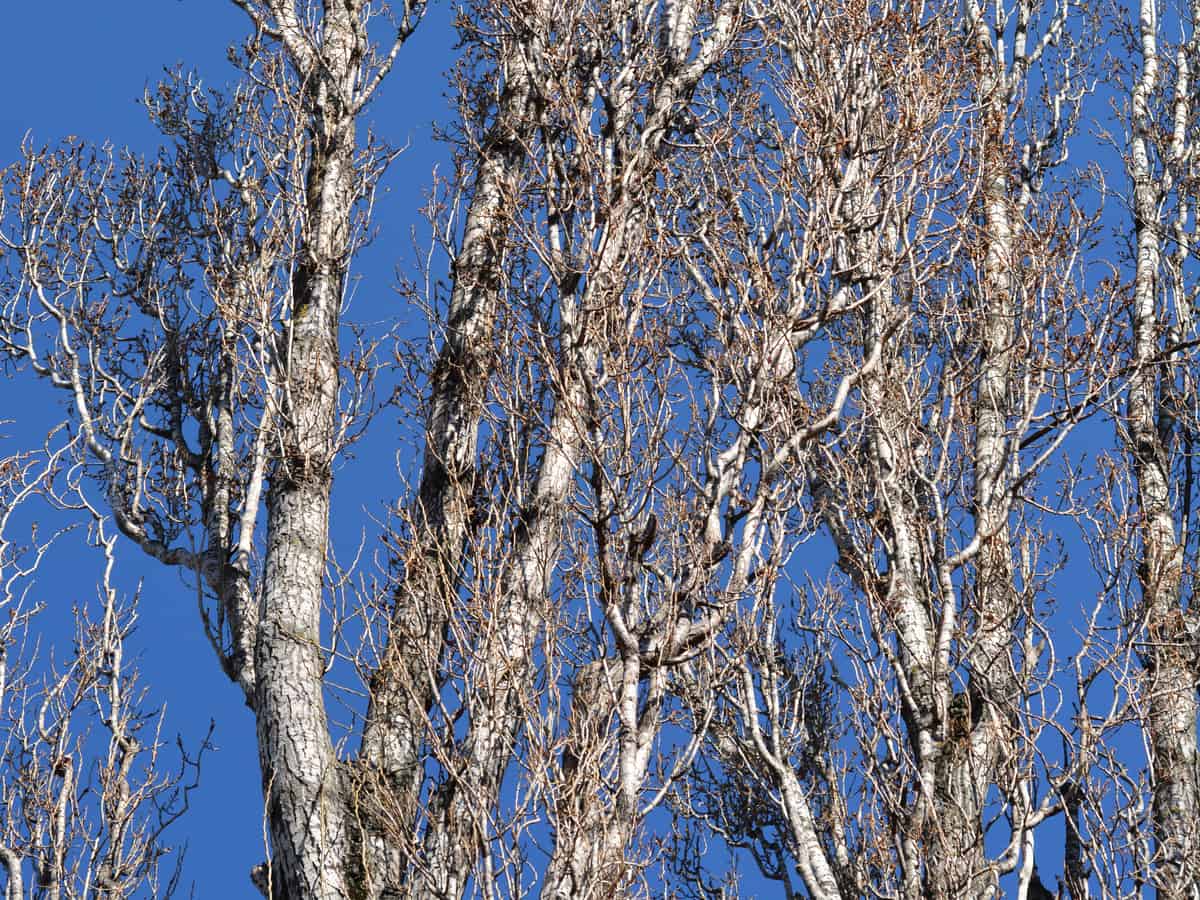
[399, 700]
[402, 689]
[1170, 683]
[971, 763]
[306, 807]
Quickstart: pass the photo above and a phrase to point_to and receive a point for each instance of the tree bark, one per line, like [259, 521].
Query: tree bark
[960, 867]
[401, 689]
[302, 784]
[1170, 682]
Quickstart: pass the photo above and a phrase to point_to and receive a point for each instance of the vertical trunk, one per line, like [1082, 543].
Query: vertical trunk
[595, 821]
[970, 766]
[594, 824]
[995, 599]
[305, 804]
[575, 866]
[811, 858]
[464, 805]
[1170, 690]
[400, 691]
[1075, 871]
[226, 571]
[907, 598]
[300, 776]
[466, 801]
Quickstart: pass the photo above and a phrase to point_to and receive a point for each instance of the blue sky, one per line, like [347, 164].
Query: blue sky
[79, 68]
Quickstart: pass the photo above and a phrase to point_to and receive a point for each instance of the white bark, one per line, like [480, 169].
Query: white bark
[307, 809]
[395, 727]
[1171, 683]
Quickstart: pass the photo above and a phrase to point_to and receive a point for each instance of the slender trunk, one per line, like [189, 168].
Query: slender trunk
[906, 597]
[991, 665]
[402, 689]
[580, 816]
[399, 702]
[593, 825]
[903, 592]
[463, 807]
[971, 760]
[1170, 687]
[811, 857]
[592, 830]
[1075, 872]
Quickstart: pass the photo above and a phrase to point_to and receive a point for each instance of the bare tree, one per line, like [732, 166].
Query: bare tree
[756, 330]
[572, 255]
[88, 788]
[196, 413]
[973, 353]
[1159, 426]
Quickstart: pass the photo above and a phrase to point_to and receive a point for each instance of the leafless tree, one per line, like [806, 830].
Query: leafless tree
[200, 416]
[1158, 425]
[88, 787]
[761, 338]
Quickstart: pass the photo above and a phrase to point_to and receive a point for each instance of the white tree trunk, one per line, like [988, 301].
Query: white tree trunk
[1170, 681]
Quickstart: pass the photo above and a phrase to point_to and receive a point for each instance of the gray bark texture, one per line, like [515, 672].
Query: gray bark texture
[307, 807]
[402, 689]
